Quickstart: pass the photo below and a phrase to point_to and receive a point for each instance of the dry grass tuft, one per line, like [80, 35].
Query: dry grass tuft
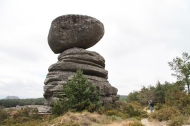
[81, 119]
[93, 119]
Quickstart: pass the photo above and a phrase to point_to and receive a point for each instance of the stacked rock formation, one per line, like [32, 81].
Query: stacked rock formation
[70, 35]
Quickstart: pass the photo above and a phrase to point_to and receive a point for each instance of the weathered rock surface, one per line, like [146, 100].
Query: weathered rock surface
[70, 35]
[44, 109]
[91, 63]
[79, 54]
[55, 80]
[70, 31]
[71, 66]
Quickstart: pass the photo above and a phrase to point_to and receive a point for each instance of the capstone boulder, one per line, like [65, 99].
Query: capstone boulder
[70, 31]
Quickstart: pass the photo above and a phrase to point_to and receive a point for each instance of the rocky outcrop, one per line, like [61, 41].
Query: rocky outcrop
[55, 81]
[70, 31]
[66, 38]
[44, 110]
[91, 63]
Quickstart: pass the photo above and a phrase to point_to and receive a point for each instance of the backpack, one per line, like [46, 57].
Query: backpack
[152, 104]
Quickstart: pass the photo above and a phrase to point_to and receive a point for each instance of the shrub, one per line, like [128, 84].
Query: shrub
[123, 110]
[80, 95]
[158, 106]
[3, 115]
[115, 112]
[21, 113]
[134, 124]
[186, 111]
[166, 113]
[58, 108]
[34, 114]
[177, 121]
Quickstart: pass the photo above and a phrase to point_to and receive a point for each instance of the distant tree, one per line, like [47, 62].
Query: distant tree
[132, 97]
[146, 94]
[142, 96]
[181, 67]
[80, 95]
[175, 93]
[21, 102]
[160, 92]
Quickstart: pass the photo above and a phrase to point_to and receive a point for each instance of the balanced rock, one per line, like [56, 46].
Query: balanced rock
[70, 31]
[71, 35]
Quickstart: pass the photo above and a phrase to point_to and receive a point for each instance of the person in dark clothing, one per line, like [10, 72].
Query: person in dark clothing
[151, 105]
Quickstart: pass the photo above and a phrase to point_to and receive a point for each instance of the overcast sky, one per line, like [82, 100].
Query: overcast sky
[141, 37]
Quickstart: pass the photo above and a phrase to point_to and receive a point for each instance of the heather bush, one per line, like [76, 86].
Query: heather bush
[123, 110]
[158, 106]
[177, 120]
[3, 115]
[186, 111]
[165, 113]
[133, 122]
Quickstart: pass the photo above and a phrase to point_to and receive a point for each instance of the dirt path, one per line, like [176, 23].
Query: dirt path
[117, 124]
[122, 123]
[145, 121]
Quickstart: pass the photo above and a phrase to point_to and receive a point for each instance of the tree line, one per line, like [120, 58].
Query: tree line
[168, 93]
[161, 93]
[14, 102]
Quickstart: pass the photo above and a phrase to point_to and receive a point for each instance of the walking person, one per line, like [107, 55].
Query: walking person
[151, 105]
